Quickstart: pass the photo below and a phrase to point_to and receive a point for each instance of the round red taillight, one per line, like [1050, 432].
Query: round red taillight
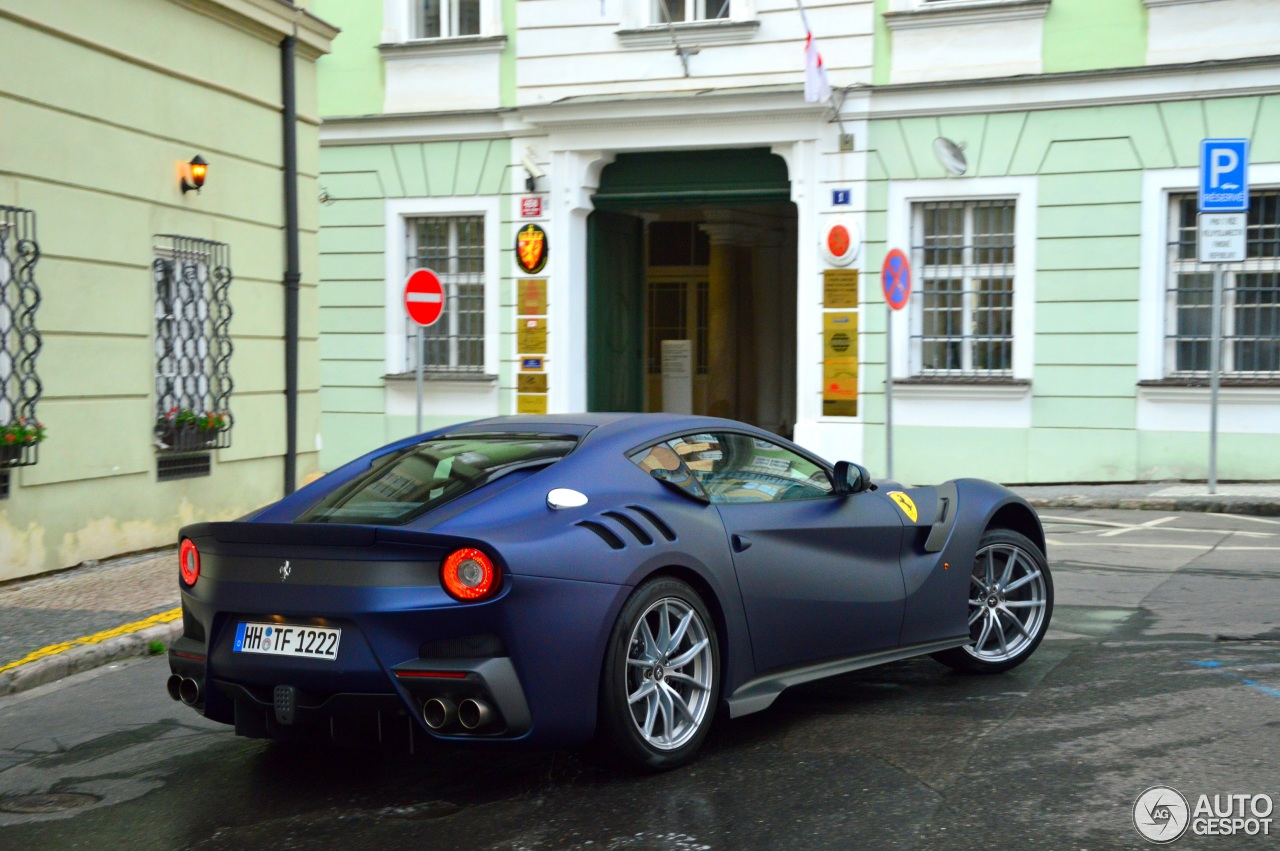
[469, 575]
[189, 561]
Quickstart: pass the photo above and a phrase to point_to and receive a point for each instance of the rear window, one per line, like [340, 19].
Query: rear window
[405, 485]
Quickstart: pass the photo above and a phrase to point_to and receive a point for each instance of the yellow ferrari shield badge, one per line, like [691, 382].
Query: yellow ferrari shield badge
[904, 502]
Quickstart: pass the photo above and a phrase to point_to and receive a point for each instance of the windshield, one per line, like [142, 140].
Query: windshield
[405, 485]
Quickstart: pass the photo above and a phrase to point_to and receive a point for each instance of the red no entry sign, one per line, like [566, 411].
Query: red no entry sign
[424, 297]
[895, 279]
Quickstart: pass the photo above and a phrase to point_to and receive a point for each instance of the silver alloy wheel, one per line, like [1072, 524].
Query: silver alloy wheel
[669, 673]
[1007, 602]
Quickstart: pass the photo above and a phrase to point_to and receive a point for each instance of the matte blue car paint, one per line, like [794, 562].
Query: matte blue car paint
[830, 564]
[564, 586]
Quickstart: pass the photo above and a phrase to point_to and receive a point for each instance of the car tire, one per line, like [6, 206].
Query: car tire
[660, 685]
[1010, 596]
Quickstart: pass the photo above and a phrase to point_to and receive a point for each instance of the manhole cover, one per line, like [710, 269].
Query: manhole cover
[52, 802]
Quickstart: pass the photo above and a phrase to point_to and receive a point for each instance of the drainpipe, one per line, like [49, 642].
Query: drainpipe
[292, 271]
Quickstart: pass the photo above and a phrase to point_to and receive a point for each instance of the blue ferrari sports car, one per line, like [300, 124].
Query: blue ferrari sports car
[549, 580]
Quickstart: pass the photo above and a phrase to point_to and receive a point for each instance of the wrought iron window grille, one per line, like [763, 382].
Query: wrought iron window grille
[193, 344]
[20, 342]
[452, 247]
[1250, 298]
[962, 307]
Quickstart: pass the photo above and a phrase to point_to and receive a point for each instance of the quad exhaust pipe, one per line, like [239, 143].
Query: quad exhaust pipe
[440, 713]
[474, 714]
[183, 688]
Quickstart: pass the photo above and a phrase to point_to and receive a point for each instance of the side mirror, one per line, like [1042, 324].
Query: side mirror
[851, 478]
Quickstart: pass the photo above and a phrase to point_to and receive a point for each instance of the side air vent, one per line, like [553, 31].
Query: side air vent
[602, 532]
[631, 526]
[658, 523]
[485, 645]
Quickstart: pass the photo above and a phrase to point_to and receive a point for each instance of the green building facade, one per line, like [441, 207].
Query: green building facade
[1059, 329]
[135, 313]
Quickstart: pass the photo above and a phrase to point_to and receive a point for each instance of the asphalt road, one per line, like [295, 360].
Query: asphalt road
[1160, 668]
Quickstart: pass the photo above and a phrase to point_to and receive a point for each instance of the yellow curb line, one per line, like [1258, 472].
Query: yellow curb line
[55, 649]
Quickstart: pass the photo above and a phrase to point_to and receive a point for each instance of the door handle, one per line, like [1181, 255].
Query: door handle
[740, 542]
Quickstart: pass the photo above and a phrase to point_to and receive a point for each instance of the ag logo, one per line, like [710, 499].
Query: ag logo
[284, 570]
[904, 502]
[1161, 814]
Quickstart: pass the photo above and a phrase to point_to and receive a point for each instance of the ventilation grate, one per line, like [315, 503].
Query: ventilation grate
[4, 484]
[631, 526]
[602, 532]
[663, 529]
[170, 467]
[484, 645]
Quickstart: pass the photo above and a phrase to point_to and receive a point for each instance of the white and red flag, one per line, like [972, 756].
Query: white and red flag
[816, 87]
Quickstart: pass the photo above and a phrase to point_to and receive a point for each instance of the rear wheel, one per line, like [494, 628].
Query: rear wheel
[661, 677]
[1010, 602]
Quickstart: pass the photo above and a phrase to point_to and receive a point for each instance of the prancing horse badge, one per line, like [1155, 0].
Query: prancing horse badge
[284, 570]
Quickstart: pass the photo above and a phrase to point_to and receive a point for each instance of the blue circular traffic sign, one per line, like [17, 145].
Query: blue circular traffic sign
[895, 279]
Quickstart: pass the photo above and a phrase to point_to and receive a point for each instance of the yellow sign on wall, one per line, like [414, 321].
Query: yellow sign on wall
[533, 296]
[531, 403]
[840, 364]
[531, 336]
[839, 288]
[531, 382]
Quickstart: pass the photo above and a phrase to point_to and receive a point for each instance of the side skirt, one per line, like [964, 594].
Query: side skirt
[760, 693]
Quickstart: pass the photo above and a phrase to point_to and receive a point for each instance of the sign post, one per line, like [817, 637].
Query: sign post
[1220, 239]
[424, 303]
[895, 280]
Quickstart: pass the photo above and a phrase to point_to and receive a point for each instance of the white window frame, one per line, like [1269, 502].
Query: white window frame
[1158, 188]
[1245, 410]
[396, 253]
[694, 11]
[400, 23]
[997, 404]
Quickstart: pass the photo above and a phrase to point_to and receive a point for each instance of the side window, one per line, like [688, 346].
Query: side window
[662, 462]
[740, 468]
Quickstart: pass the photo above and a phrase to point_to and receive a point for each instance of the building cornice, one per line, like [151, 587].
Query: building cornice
[690, 34]
[271, 20]
[430, 47]
[1224, 78]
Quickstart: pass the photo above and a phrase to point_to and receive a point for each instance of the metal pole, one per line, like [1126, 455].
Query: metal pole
[418, 377]
[293, 263]
[1215, 368]
[888, 392]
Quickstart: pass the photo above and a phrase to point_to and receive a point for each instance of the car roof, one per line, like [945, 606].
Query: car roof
[627, 430]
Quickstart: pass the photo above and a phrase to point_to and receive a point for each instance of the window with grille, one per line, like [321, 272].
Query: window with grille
[1250, 296]
[20, 387]
[677, 11]
[962, 307]
[453, 248]
[446, 18]
[192, 280]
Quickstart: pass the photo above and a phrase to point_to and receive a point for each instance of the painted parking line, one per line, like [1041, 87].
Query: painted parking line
[1137, 527]
[96, 638]
[1253, 684]
[1053, 542]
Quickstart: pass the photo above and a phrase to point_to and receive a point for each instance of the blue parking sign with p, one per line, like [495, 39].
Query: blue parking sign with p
[1224, 176]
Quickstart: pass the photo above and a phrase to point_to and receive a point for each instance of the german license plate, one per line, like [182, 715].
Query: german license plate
[276, 639]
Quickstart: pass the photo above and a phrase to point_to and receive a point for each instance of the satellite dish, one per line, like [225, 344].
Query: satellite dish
[950, 155]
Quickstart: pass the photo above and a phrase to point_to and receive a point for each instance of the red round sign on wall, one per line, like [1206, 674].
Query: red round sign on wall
[424, 297]
[841, 242]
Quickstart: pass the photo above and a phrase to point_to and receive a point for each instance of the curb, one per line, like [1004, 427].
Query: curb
[1206, 504]
[86, 657]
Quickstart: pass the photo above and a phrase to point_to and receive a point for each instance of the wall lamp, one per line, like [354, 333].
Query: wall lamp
[199, 168]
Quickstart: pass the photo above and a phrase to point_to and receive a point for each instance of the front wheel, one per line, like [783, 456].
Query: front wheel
[661, 676]
[1010, 602]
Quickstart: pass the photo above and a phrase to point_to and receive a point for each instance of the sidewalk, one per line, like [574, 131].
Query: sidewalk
[55, 626]
[1256, 498]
